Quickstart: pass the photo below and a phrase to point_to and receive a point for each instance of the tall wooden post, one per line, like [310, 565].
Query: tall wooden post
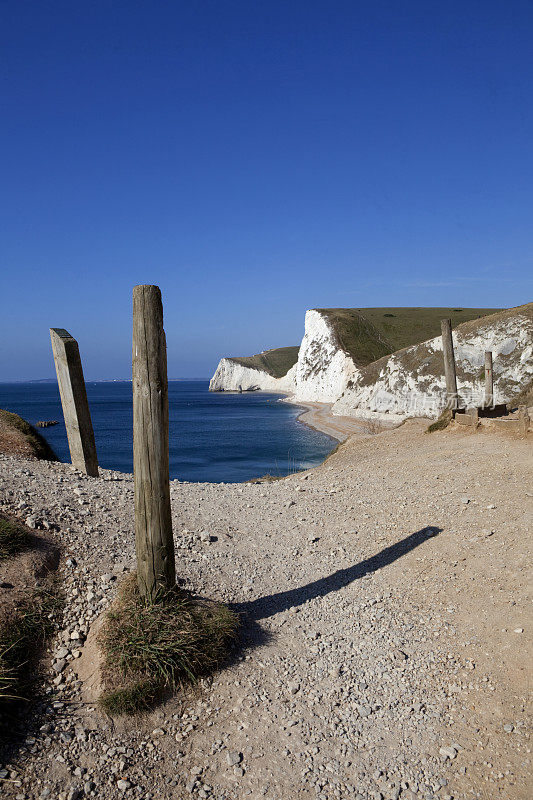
[74, 401]
[489, 380]
[449, 363]
[153, 524]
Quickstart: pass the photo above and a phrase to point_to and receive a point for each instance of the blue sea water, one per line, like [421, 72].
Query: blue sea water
[214, 437]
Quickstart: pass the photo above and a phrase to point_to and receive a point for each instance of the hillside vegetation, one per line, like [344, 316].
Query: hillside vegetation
[275, 362]
[18, 437]
[368, 334]
[427, 364]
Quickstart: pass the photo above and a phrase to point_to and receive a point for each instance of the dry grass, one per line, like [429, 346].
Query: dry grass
[13, 538]
[371, 425]
[149, 647]
[19, 437]
[22, 636]
[441, 423]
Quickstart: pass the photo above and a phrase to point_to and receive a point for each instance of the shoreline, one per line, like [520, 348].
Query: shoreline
[318, 416]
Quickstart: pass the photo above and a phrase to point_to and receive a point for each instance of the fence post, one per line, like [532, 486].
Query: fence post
[489, 380]
[449, 364]
[74, 401]
[154, 543]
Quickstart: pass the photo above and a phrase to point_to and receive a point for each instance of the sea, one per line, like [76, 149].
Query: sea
[214, 436]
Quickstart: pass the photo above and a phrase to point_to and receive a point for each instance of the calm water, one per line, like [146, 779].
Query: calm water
[213, 436]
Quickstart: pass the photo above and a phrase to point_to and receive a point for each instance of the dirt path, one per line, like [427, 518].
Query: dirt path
[387, 629]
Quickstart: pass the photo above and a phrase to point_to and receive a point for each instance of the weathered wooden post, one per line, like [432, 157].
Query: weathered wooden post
[489, 380]
[153, 524]
[449, 364]
[74, 401]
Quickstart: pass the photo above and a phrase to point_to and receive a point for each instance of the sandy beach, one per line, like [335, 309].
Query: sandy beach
[320, 417]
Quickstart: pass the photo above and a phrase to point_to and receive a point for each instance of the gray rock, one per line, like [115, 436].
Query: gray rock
[448, 752]
[233, 758]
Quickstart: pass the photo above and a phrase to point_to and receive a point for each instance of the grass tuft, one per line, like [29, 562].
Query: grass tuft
[13, 538]
[149, 647]
[22, 636]
[442, 422]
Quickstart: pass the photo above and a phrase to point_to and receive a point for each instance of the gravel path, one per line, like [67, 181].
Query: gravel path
[386, 629]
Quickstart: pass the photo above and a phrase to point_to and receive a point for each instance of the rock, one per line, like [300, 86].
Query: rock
[233, 758]
[448, 752]
[123, 785]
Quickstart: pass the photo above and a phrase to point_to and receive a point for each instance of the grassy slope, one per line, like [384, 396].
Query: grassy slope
[371, 333]
[18, 436]
[275, 362]
[368, 334]
[26, 613]
[427, 364]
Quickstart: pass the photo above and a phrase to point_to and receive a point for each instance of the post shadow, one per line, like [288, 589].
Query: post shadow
[264, 607]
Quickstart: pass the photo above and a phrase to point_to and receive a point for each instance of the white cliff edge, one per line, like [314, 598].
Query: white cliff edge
[230, 376]
[411, 381]
[407, 383]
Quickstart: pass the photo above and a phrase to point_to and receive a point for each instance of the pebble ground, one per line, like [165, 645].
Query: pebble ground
[386, 629]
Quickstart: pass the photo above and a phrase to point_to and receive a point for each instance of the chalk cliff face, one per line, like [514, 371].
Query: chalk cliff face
[230, 376]
[411, 381]
[323, 368]
[408, 382]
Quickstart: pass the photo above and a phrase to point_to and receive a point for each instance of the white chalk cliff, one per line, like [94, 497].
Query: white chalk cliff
[231, 376]
[409, 382]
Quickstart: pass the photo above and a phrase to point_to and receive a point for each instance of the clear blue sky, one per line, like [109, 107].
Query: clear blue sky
[255, 159]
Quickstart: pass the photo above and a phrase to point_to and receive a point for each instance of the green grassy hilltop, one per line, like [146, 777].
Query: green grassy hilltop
[368, 334]
[275, 362]
[371, 333]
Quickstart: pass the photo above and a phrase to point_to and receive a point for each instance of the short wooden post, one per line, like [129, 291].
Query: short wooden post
[153, 524]
[523, 420]
[449, 364]
[489, 380]
[74, 401]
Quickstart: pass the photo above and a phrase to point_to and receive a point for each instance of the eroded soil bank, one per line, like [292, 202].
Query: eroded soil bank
[386, 629]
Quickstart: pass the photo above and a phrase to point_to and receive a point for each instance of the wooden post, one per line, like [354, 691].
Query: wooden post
[489, 380]
[154, 544]
[449, 364]
[74, 401]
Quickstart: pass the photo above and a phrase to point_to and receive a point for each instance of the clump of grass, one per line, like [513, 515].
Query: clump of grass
[13, 538]
[442, 422]
[22, 636]
[267, 478]
[149, 647]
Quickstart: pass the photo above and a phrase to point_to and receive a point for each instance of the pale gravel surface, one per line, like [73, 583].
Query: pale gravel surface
[379, 660]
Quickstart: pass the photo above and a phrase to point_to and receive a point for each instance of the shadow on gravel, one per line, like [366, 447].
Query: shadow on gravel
[265, 607]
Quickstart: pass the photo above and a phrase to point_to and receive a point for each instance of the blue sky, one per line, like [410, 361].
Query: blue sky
[255, 159]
